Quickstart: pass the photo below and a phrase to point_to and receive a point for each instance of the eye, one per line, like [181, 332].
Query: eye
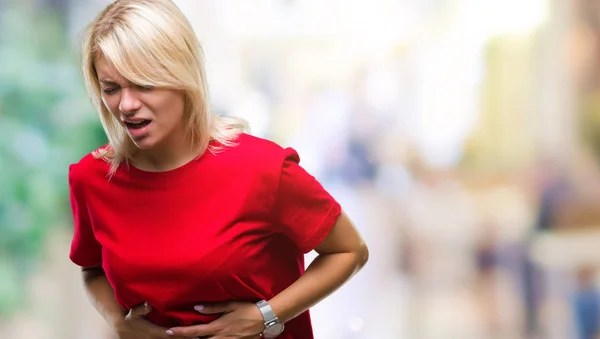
[110, 90]
[145, 88]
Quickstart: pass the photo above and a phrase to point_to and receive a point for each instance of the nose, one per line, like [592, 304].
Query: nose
[129, 103]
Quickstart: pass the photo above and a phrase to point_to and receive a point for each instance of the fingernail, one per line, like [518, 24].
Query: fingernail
[198, 308]
[146, 304]
[169, 332]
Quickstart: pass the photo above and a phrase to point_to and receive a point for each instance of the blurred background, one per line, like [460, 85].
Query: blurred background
[462, 136]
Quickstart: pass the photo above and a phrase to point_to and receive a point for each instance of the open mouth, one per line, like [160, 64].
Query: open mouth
[137, 124]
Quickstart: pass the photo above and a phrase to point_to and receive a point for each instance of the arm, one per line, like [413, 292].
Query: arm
[341, 255]
[86, 252]
[101, 295]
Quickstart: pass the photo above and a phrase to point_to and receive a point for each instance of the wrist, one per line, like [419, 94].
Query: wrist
[278, 310]
[117, 322]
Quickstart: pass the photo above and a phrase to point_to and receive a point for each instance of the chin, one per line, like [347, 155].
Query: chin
[144, 143]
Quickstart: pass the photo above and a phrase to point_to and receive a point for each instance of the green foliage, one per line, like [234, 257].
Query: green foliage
[46, 123]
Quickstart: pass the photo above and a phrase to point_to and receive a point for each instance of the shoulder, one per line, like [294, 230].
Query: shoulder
[88, 168]
[260, 153]
[258, 146]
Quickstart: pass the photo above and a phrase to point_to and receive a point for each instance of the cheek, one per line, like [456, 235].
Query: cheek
[110, 105]
[174, 117]
[173, 110]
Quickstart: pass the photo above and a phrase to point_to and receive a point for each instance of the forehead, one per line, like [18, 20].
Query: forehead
[106, 71]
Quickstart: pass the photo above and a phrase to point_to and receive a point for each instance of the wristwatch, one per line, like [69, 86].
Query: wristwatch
[273, 327]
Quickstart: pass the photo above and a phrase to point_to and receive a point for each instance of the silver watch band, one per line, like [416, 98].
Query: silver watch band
[267, 312]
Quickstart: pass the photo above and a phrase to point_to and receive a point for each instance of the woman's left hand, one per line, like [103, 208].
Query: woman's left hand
[240, 320]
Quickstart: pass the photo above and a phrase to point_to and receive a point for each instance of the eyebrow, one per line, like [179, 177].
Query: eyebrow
[108, 82]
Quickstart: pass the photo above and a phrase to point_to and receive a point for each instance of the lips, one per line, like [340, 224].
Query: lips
[137, 128]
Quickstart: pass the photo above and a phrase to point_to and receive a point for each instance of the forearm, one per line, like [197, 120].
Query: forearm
[325, 274]
[101, 294]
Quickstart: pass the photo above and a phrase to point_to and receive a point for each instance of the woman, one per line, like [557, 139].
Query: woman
[184, 225]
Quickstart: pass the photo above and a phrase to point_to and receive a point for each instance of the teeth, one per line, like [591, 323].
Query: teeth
[136, 123]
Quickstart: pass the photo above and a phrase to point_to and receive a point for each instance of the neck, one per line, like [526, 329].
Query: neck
[171, 154]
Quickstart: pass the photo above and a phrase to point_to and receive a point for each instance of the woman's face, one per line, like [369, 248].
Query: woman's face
[151, 116]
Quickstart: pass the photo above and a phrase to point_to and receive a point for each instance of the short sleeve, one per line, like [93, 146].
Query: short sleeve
[85, 249]
[304, 211]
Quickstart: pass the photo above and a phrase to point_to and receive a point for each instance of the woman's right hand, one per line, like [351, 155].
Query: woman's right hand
[136, 326]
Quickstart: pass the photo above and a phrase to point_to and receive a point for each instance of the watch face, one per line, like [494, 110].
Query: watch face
[273, 331]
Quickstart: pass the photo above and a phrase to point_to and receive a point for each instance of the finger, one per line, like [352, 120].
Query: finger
[224, 307]
[141, 310]
[154, 331]
[196, 331]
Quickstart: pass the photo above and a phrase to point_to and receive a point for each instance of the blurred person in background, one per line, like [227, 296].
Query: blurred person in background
[185, 226]
[486, 269]
[553, 189]
[586, 305]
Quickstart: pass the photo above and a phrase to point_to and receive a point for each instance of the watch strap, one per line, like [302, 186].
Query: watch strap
[266, 311]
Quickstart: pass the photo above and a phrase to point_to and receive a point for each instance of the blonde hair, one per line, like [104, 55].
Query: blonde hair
[150, 42]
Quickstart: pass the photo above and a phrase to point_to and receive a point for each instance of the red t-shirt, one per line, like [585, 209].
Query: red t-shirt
[234, 225]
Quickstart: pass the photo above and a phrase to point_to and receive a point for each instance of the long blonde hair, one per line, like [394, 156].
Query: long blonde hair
[151, 42]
